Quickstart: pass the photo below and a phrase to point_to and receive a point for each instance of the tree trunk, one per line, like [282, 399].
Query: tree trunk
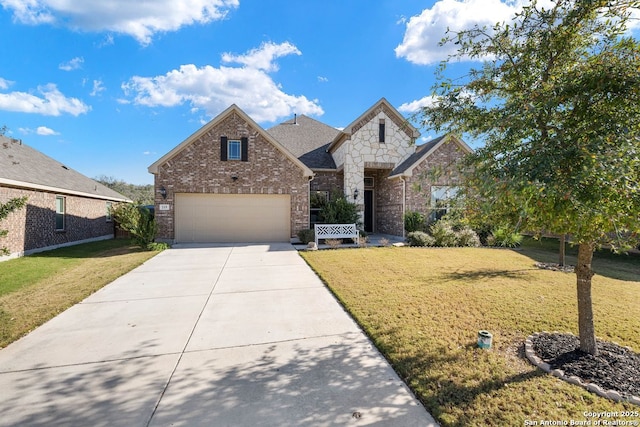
[563, 239]
[584, 273]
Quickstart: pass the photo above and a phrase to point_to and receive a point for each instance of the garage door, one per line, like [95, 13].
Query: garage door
[232, 218]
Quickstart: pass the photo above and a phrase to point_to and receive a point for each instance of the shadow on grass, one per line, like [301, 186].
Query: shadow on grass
[100, 249]
[487, 273]
[605, 262]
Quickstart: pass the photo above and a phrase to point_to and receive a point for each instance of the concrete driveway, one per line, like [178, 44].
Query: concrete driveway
[225, 335]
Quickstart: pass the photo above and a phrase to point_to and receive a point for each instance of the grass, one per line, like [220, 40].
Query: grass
[35, 288]
[423, 308]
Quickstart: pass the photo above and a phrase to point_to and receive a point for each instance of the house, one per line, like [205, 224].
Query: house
[63, 206]
[233, 181]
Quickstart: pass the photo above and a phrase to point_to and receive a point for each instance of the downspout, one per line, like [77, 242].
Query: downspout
[404, 201]
[309, 200]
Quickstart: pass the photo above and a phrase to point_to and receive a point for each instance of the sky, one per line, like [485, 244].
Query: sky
[107, 87]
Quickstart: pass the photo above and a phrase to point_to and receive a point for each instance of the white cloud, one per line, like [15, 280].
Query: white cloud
[214, 89]
[51, 102]
[45, 131]
[426, 30]
[74, 64]
[4, 84]
[40, 130]
[322, 79]
[263, 58]
[98, 88]
[415, 106]
[139, 19]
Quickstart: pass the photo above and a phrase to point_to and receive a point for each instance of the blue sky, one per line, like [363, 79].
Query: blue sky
[109, 86]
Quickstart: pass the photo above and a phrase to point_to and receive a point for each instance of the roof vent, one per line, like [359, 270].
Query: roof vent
[295, 119]
[64, 167]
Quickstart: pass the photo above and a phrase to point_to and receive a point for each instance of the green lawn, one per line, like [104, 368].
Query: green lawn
[423, 308]
[35, 288]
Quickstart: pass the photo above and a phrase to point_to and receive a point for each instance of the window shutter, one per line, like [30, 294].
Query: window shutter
[223, 148]
[244, 156]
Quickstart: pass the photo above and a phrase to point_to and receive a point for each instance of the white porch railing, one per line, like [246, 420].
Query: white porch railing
[337, 231]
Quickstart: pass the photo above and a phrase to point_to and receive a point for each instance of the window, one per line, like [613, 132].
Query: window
[234, 150]
[368, 182]
[60, 211]
[441, 200]
[318, 200]
[108, 215]
[381, 131]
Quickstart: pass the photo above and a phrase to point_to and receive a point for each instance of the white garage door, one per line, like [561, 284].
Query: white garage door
[232, 218]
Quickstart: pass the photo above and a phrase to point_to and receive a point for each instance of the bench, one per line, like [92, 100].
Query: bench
[336, 231]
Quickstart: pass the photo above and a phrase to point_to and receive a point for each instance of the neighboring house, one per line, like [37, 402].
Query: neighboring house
[63, 207]
[233, 181]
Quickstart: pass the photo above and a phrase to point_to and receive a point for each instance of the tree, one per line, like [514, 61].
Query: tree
[137, 220]
[557, 103]
[5, 209]
[141, 194]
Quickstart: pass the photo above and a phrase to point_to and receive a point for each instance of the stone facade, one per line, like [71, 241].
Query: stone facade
[33, 227]
[197, 168]
[364, 150]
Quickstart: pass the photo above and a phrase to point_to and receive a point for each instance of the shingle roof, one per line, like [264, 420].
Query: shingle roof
[23, 166]
[308, 140]
[421, 150]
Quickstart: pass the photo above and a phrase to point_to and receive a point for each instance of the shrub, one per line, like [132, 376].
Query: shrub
[385, 242]
[413, 221]
[468, 237]
[420, 238]
[333, 243]
[443, 234]
[504, 238]
[138, 220]
[158, 246]
[307, 236]
[339, 211]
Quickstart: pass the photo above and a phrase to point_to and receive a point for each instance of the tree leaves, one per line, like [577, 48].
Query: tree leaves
[557, 101]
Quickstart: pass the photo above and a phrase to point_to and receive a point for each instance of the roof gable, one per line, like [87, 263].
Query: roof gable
[424, 151]
[368, 115]
[26, 167]
[215, 121]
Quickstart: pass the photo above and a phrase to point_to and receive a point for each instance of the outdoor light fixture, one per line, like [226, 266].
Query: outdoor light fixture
[163, 192]
[355, 194]
[234, 178]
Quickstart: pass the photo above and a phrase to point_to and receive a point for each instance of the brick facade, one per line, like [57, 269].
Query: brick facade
[197, 168]
[34, 226]
[388, 193]
[327, 181]
[444, 162]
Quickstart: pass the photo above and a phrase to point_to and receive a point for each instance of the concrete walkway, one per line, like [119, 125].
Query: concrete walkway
[205, 336]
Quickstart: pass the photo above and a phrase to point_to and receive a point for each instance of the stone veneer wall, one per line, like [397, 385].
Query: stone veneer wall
[198, 169]
[365, 150]
[34, 226]
[418, 192]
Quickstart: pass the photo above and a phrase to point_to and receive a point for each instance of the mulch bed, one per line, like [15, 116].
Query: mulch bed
[555, 267]
[615, 368]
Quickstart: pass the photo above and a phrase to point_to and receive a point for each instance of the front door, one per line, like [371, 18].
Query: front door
[368, 211]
